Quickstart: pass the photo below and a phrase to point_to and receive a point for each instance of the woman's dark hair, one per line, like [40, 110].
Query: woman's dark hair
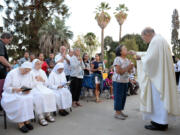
[99, 54]
[84, 56]
[118, 50]
[92, 59]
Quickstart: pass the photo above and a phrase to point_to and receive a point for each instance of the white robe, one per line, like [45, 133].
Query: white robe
[18, 106]
[63, 95]
[44, 98]
[159, 113]
[157, 81]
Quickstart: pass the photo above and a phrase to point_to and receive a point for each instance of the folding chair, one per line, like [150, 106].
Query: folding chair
[4, 113]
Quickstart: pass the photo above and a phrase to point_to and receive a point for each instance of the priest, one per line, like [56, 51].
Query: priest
[158, 87]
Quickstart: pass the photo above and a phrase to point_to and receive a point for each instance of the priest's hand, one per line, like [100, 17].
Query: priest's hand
[137, 57]
[131, 52]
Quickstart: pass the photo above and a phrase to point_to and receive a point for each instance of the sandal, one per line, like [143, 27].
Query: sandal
[78, 104]
[98, 101]
[50, 118]
[43, 122]
[74, 105]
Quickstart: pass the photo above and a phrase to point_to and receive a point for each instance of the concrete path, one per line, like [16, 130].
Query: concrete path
[96, 119]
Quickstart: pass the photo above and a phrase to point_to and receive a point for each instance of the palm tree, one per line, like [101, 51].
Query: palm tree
[91, 42]
[121, 15]
[53, 34]
[102, 18]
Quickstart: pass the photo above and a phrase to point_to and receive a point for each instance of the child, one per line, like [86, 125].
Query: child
[108, 84]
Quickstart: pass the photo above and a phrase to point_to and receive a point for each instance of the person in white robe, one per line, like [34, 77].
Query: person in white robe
[156, 75]
[17, 104]
[44, 98]
[59, 84]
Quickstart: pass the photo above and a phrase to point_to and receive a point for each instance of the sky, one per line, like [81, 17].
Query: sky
[142, 13]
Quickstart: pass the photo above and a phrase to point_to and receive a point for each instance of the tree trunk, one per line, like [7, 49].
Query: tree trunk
[102, 44]
[120, 30]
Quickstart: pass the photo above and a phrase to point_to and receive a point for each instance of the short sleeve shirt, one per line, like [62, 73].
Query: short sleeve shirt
[97, 65]
[123, 63]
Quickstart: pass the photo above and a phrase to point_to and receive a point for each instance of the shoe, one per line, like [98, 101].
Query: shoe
[62, 113]
[50, 118]
[29, 126]
[124, 115]
[43, 122]
[119, 116]
[66, 112]
[155, 128]
[23, 129]
[160, 126]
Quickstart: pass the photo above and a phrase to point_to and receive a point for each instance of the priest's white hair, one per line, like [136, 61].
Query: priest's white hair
[148, 30]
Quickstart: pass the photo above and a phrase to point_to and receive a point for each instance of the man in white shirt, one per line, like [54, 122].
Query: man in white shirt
[63, 57]
[77, 73]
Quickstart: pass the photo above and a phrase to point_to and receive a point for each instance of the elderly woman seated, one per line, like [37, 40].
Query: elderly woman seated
[16, 99]
[58, 82]
[44, 98]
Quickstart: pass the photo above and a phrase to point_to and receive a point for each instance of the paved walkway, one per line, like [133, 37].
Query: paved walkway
[96, 119]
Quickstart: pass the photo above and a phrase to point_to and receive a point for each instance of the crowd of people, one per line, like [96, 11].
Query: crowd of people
[47, 85]
[42, 86]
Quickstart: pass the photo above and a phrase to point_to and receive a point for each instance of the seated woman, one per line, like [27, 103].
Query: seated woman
[58, 82]
[44, 98]
[17, 103]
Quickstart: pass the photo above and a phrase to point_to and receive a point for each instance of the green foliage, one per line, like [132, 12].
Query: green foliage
[91, 43]
[53, 34]
[24, 19]
[110, 47]
[88, 43]
[103, 7]
[131, 45]
[79, 43]
[122, 8]
[142, 46]
[175, 35]
[131, 41]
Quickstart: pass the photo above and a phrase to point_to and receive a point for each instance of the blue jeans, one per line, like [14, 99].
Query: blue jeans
[120, 93]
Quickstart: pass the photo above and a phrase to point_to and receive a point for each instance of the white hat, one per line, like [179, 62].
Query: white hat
[26, 65]
[58, 66]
